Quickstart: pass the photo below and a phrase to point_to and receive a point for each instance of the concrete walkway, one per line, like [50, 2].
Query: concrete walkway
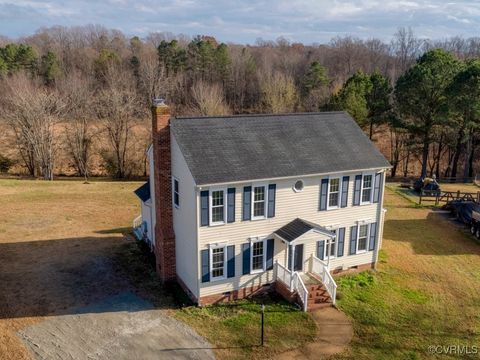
[334, 333]
[119, 327]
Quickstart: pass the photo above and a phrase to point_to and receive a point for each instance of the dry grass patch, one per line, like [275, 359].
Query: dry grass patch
[58, 242]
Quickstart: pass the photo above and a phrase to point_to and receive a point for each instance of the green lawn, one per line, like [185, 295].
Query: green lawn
[234, 328]
[426, 290]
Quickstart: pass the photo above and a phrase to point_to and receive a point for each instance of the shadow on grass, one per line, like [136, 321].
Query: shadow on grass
[62, 276]
[120, 230]
[434, 235]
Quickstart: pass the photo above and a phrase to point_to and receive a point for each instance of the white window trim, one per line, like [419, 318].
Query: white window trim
[325, 255]
[210, 206]
[177, 206]
[303, 186]
[211, 247]
[360, 223]
[254, 240]
[371, 190]
[339, 193]
[265, 186]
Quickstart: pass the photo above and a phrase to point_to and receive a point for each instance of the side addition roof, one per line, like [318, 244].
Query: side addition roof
[296, 228]
[143, 192]
[251, 147]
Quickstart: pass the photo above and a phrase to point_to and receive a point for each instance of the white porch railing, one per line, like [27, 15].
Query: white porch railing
[300, 288]
[293, 281]
[320, 268]
[283, 274]
[137, 221]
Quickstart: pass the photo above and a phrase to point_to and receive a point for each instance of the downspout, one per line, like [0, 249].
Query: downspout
[382, 212]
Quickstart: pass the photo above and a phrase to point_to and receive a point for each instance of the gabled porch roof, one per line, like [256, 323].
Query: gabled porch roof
[143, 192]
[295, 229]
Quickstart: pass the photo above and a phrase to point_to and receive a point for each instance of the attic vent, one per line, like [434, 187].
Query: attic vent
[298, 186]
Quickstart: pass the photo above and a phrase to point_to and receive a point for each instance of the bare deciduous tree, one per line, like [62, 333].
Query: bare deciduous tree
[33, 111]
[78, 127]
[118, 108]
[279, 94]
[208, 99]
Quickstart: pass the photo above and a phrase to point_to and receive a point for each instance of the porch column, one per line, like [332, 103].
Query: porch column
[329, 245]
[293, 258]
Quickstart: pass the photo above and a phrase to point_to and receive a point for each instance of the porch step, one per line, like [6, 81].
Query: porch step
[318, 296]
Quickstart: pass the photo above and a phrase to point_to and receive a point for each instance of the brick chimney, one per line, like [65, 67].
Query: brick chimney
[164, 234]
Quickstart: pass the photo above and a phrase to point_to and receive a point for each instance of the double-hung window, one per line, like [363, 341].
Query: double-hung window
[218, 207]
[362, 238]
[258, 256]
[176, 193]
[259, 202]
[367, 188]
[218, 262]
[334, 193]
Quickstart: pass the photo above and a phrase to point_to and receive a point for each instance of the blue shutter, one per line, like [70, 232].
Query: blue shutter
[321, 249]
[205, 261]
[323, 194]
[373, 235]
[247, 202]
[204, 208]
[231, 261]
[345, 182]
[269, 254]
[340, 241]
[231, 205]
[271, 200]
[246, 258]
[377, 187]
[353, 240]
[357, 189]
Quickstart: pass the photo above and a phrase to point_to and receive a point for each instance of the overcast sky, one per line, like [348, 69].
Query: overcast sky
[243, 21]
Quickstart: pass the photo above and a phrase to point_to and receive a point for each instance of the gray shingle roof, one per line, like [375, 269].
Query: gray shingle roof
[296, 228]
[143, 192]
[250, 147]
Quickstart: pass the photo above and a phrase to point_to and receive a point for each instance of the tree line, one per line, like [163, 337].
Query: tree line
[82, 93]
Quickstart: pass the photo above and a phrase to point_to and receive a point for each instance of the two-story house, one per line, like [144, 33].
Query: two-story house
[235, 204]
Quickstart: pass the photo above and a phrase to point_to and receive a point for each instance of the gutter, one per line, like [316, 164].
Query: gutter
[199, 187]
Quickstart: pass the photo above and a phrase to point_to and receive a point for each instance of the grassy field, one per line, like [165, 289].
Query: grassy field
[57, 246]
[426, 291]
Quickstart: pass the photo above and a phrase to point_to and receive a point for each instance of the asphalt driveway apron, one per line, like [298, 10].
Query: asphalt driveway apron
[123, 326]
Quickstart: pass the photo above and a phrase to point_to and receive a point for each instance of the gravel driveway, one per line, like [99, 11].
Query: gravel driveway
[123, 326]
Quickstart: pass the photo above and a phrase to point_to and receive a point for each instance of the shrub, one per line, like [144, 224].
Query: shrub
[5, 164]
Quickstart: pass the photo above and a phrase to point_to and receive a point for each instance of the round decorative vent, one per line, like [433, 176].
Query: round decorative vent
[298, 186]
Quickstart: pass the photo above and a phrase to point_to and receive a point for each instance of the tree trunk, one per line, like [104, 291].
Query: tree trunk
[470, 161]
[425, 151]
[458, 150]
[468, 153]
[438, 156]
[405, 165]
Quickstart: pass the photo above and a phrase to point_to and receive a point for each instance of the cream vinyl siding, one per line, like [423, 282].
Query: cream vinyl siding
[288, 206]
[184, 223]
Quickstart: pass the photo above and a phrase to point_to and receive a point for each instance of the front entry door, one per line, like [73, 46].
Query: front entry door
[298, 262]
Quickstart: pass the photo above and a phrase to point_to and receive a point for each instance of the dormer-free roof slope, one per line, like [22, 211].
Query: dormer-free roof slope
[252, 147]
